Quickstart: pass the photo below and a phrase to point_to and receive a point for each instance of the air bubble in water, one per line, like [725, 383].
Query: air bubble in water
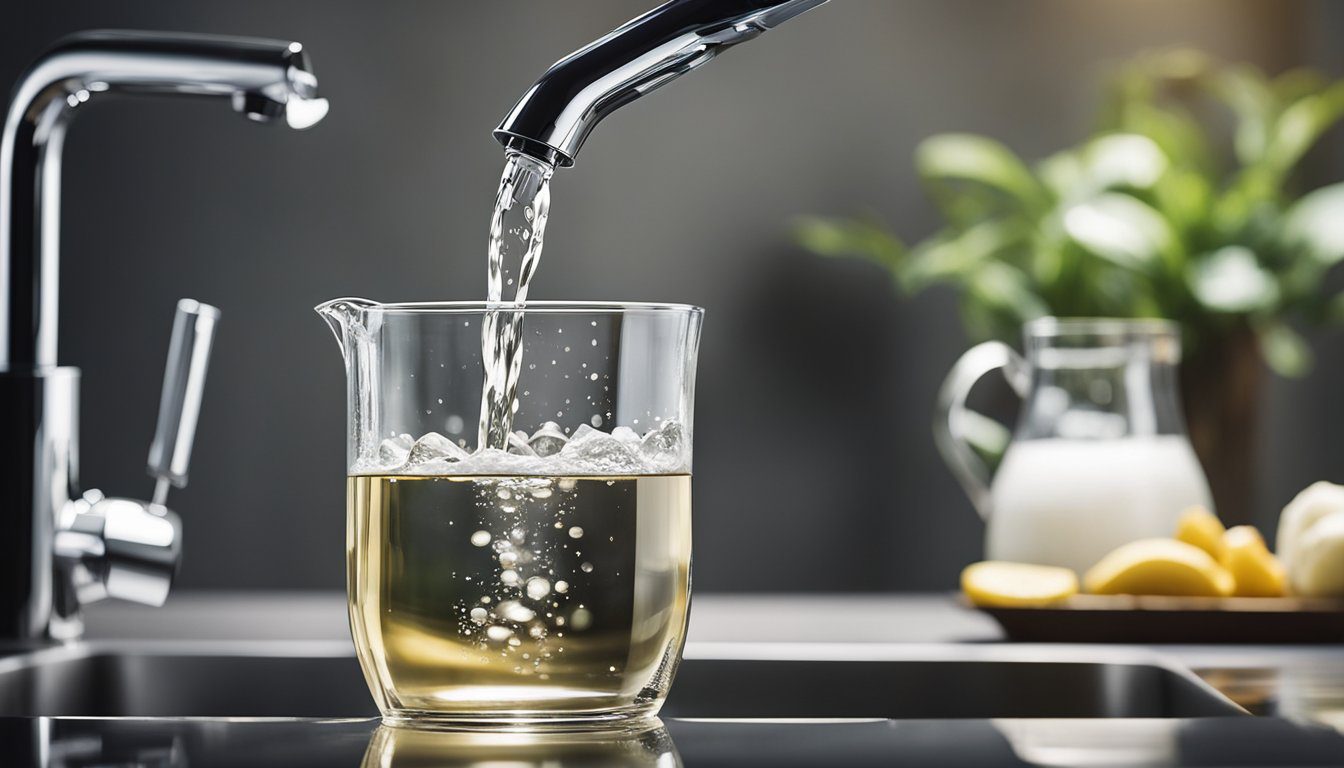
[498, 633]
[478, 615]
[586, 567]
[537, 588]
[516, 611]
[562, 587]
[509, 577]
[480, 538]
[508, 559]
[576, 532]
[581, 619]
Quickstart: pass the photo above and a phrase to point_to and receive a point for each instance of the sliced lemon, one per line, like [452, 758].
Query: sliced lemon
[1158, 567]
[1255, 571]
[1016, 585]
[1200, 527]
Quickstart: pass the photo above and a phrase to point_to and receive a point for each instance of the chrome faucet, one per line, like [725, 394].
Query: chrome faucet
[61, 548]
[556, 114]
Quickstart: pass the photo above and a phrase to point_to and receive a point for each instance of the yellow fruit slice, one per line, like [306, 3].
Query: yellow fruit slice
[1158, 567]
[1255, 571]
[1202, 528]
[1016, 585]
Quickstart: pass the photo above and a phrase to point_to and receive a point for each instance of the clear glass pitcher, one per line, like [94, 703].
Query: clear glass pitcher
[1099, 456]
[546, 582]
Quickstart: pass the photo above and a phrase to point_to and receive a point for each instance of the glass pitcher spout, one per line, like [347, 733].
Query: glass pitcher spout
[344, 315]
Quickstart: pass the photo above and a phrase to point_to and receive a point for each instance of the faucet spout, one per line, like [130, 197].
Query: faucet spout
[556, 114]
[264, 80]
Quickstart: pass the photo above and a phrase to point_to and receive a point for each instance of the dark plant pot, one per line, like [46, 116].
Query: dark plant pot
[1221, 383]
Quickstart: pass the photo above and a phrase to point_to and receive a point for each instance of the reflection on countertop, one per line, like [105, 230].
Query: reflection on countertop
[1299, 690]
[168, 743]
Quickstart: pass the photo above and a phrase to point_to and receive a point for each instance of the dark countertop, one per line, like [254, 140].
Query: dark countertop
[1301, 687]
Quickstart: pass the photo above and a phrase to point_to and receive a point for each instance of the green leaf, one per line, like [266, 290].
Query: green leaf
[1107, 162]
[1005, 290]
[960, 157]
[987, 437]
[955, 255]
[1174, 131]
[1185, 197]
[1284, 350]
[848, 237]
[1300, 125]
[1248, 94]
[1121, 229]
[1314, 225]
[1231, 280]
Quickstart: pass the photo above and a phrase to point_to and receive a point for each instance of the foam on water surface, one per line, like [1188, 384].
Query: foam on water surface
[547, 452]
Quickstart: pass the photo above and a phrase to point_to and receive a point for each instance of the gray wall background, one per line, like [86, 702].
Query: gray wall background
[684, 196]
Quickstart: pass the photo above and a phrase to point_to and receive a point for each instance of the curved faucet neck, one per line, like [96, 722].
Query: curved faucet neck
[263, 79]
[552, 120]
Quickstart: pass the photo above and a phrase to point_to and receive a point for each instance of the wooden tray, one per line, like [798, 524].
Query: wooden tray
[1154, 619]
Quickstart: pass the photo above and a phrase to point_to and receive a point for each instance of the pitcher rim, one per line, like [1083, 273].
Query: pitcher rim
[1132, 327]
[533, 307]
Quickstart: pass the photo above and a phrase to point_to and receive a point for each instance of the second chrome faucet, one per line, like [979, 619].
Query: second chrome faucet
[61, 547]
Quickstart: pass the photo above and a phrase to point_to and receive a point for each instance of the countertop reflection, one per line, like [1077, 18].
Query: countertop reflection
[1298, 689]
[165, 743]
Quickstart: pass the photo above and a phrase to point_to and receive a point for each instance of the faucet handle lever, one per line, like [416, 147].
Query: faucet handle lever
[180, 404]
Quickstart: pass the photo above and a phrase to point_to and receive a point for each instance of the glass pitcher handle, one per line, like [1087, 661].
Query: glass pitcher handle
[957, 428]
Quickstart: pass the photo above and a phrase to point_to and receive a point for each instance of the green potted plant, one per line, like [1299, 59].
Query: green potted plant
[1168, 209]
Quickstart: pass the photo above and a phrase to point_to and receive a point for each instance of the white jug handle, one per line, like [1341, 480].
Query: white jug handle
[956, 428]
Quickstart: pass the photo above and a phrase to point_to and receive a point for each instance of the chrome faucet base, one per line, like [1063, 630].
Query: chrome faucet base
[38, 433]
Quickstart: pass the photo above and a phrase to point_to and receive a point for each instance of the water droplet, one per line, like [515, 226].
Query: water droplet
[480, 538]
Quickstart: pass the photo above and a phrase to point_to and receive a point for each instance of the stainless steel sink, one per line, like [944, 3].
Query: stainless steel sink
[322, 680]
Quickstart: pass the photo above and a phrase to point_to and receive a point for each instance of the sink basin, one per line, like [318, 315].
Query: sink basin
[322, 680]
